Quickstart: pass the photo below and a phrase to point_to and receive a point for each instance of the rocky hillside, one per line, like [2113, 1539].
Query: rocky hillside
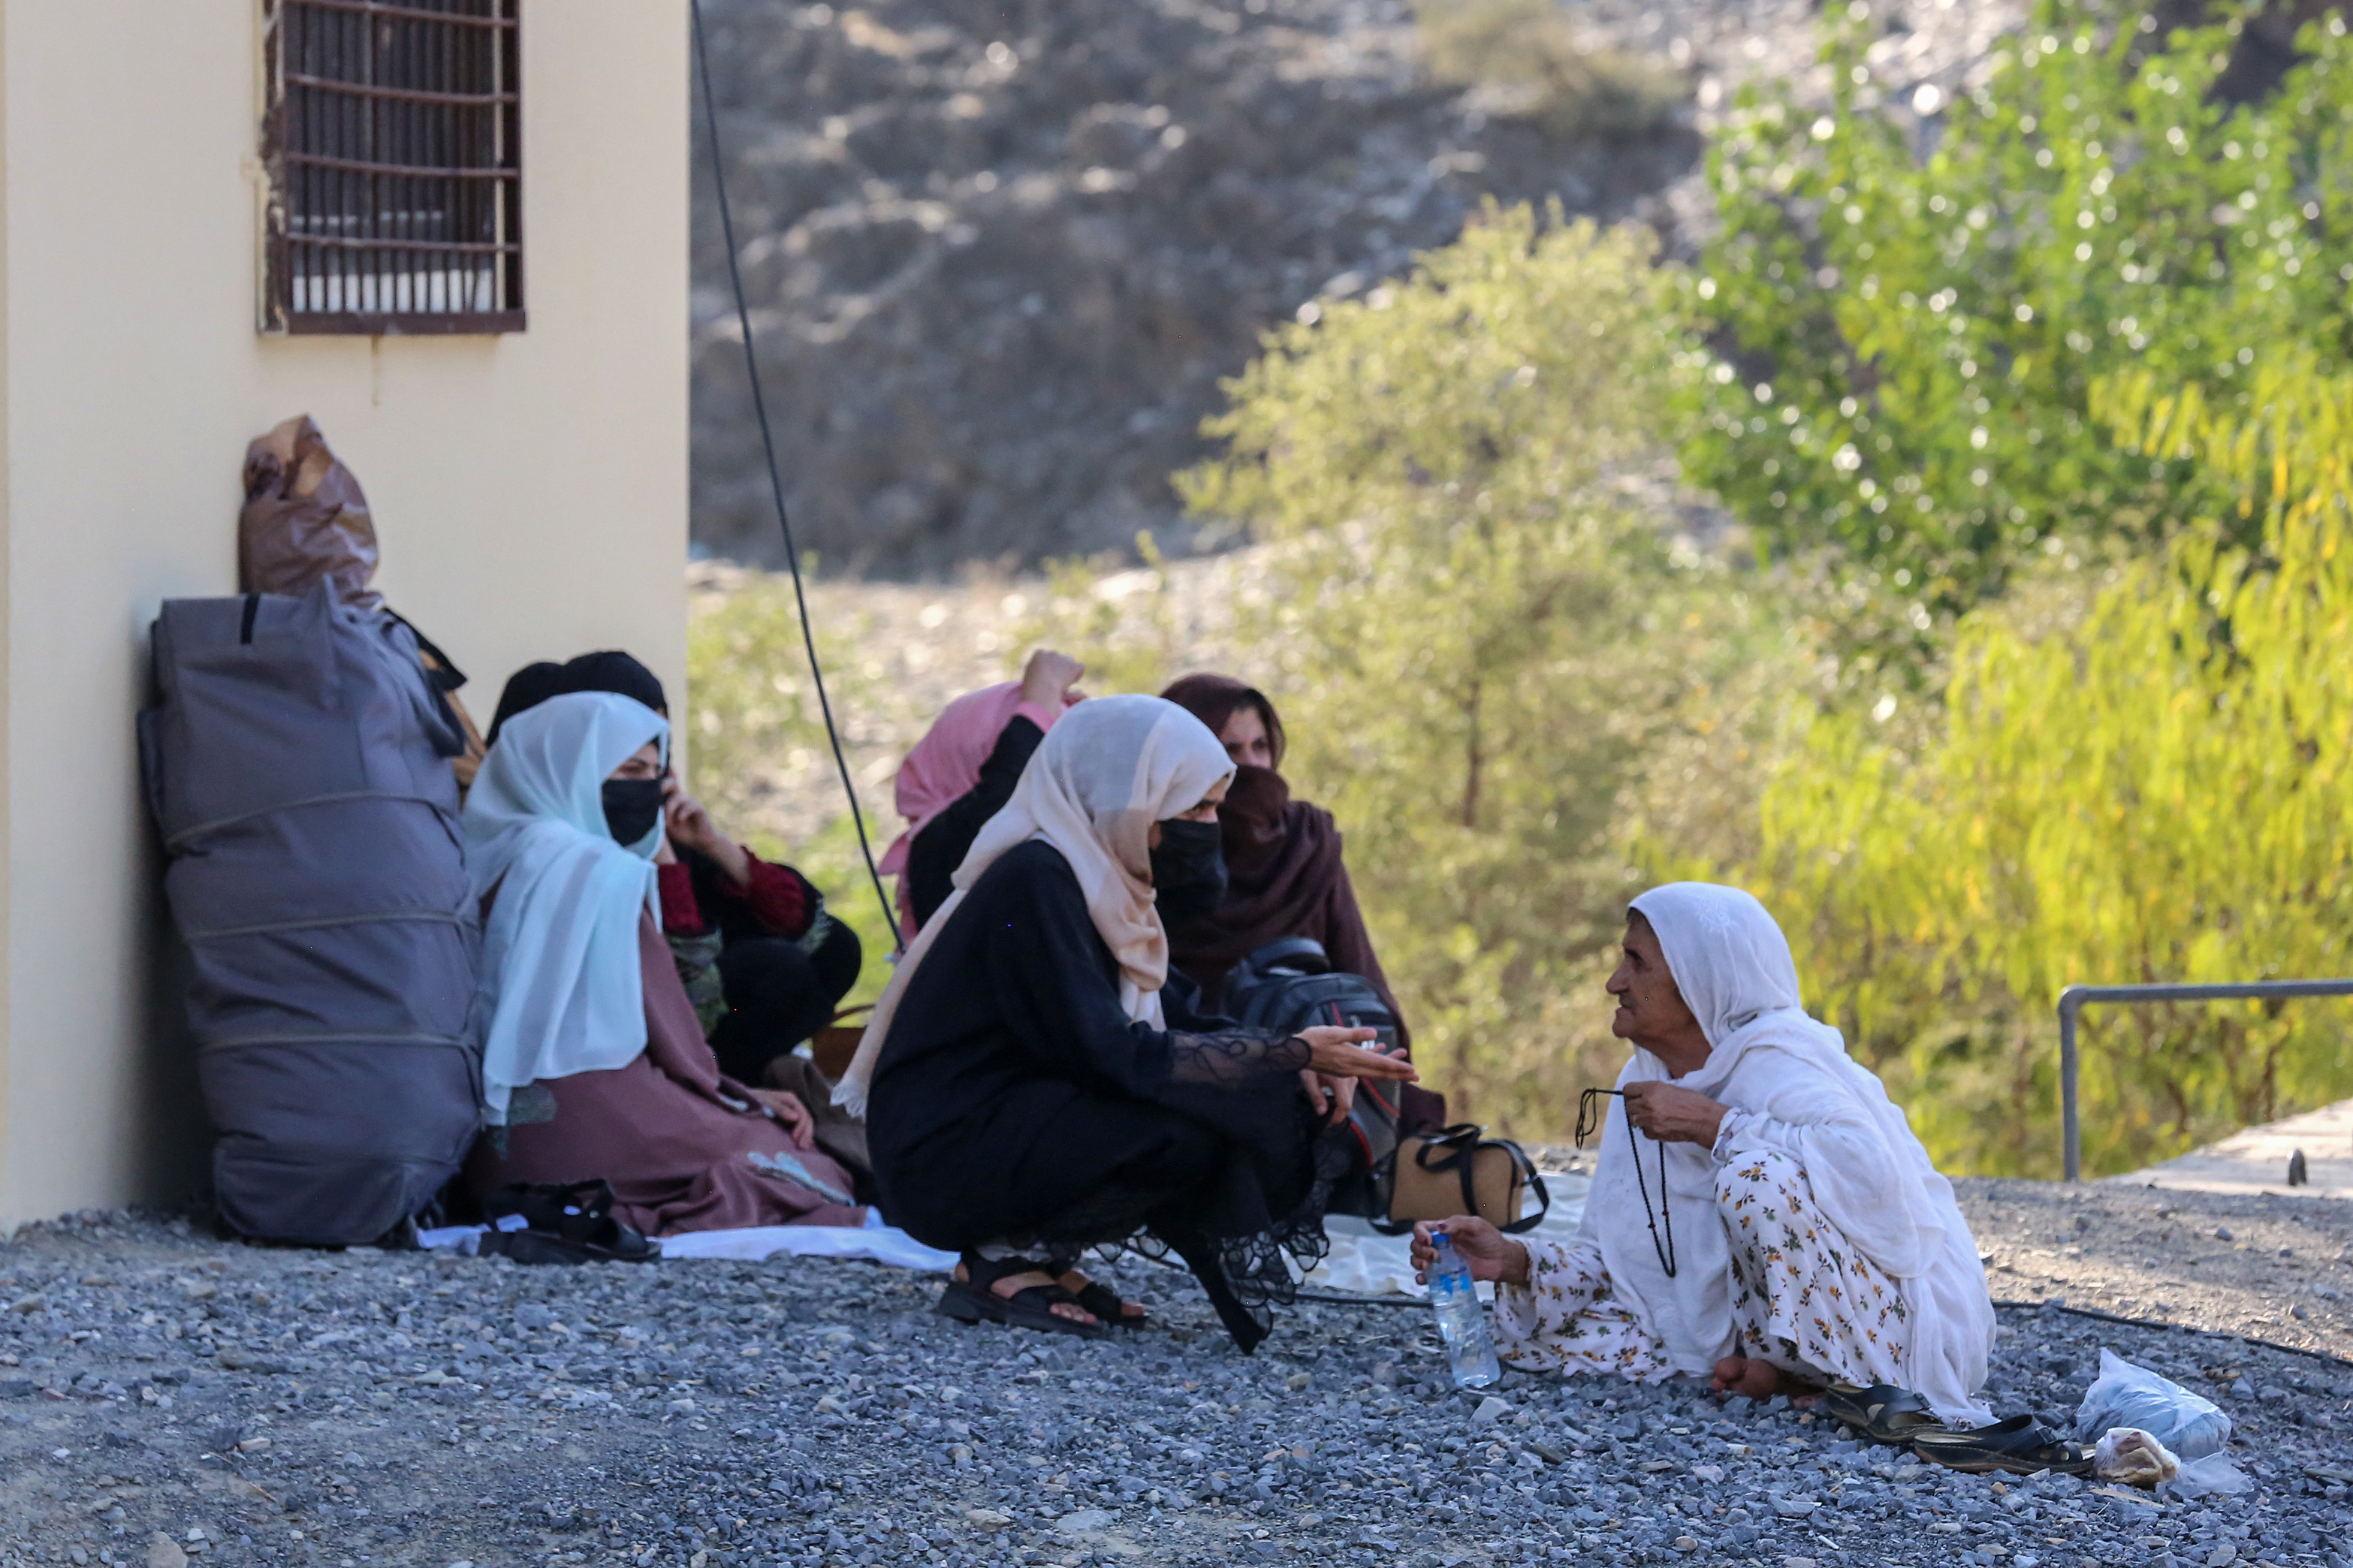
[1000, 254]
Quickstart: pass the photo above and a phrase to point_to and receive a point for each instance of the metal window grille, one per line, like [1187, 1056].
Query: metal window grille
[393, 143]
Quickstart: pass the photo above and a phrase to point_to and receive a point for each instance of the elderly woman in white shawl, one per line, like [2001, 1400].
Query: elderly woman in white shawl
[1776, 1226]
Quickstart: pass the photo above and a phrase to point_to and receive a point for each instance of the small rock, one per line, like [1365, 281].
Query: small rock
[1711, 1474]
[1085, 1521]
[36, 1302]
[1297, 1382]
[2222, 1556]
[162, 1551]
[987, 1519]
[2222, 1233]
[1490, 1410]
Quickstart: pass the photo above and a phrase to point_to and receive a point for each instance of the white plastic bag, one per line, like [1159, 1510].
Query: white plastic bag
[2128, 1396]
[2213, 1476]
[2129, 1455]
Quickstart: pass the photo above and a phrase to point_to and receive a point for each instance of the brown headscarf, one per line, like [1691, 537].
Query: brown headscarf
[1284, 876]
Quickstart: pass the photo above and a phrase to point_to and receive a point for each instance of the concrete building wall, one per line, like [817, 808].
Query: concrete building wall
[529, 491]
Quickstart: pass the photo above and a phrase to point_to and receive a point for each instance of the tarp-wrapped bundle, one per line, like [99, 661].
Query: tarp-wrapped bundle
[298, 764]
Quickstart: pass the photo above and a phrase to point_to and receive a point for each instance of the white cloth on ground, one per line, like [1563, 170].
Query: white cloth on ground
[873, 1243]
[1109, 769]
[1793, 1088]
[561, 987]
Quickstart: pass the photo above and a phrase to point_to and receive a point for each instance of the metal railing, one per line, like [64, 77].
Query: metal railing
[2073, 1000]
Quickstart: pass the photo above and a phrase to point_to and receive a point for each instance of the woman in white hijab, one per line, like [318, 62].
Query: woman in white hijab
[1034, 1091]
[1776, 1228]
[593, 1065]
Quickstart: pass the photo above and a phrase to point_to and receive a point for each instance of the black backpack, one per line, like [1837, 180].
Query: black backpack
[1290, 985]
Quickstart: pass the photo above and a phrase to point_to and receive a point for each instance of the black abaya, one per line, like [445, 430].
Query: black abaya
[1015, 1100]
[935, 852]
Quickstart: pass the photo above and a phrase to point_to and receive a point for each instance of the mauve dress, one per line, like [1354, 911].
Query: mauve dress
[685, 1147]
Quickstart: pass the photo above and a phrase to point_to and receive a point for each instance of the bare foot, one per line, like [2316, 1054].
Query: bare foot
[1129, 1311]
[1757, 1378]
[1012, 1284]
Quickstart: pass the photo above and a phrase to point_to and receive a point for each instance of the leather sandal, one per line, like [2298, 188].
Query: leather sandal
[1883, 1413]
[2019, 1445]
[973, 1300]
[562, 1223]
[1109, 1306]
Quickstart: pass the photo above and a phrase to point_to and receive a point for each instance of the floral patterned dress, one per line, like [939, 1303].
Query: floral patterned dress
[1803, 1297]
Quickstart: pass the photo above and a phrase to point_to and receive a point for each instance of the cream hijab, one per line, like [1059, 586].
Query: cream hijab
[1109, 769]
[1791, 1086]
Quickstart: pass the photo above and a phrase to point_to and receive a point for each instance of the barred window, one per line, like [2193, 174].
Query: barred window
[395, 177]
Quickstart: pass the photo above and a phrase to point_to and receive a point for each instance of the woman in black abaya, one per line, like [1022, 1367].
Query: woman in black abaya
[1029, 1088]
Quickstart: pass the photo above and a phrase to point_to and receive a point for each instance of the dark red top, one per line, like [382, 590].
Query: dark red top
[777, 900]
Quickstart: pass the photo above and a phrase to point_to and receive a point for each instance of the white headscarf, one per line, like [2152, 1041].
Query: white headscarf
[1109, 769]
[560, 984]
[1790, 1083]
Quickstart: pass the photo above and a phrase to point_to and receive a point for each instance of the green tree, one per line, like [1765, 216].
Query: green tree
[1915, 307]
[1477, 633]
[2152, 788]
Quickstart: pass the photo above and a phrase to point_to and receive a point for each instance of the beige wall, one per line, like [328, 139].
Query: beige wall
[530, 490]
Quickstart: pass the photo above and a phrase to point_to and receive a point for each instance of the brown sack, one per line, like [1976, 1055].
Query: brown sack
[304, 519]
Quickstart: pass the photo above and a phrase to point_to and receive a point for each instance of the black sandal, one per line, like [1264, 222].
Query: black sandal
[1109, 1306]
[2019, 1445]
[1883, 1413]
[561, 1223]
[973, 1300]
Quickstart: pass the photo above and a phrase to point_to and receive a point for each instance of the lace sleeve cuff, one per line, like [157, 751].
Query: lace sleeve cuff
[1231, 1057]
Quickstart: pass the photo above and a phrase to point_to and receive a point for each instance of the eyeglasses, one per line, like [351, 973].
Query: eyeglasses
[1593, 1118]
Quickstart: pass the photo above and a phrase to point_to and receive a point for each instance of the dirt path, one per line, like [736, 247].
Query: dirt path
[2276, 1268]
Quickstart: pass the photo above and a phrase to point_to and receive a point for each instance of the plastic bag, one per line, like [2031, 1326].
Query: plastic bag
[2129, 1455]
[2128, 1396]
[304, 519]
[2213, 1476]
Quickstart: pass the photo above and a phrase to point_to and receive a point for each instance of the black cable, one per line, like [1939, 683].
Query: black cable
[2096, 1313]
[776, 473]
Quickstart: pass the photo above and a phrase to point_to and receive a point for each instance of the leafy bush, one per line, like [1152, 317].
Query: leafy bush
[1528, 54]
[1476, 633]
[1917, 307]
[753, 706]
[2152, 787]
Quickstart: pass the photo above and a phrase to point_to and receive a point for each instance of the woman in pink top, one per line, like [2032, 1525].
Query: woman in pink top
[962, 772]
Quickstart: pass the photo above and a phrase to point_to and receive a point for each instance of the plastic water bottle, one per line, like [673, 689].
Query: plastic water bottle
[1462, 1320]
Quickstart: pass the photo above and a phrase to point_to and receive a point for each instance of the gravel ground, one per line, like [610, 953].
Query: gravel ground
[168, 1398]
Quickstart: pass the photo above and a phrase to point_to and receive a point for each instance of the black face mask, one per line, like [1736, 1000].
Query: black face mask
[1188, 871]
[632, 807]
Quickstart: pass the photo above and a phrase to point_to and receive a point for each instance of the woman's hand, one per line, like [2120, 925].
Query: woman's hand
[1334, 1096]
[690, 827]
[1674, 1115]
[1333, 1051]
[1048, 679]
[1491, 1253]
[798, 1125]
